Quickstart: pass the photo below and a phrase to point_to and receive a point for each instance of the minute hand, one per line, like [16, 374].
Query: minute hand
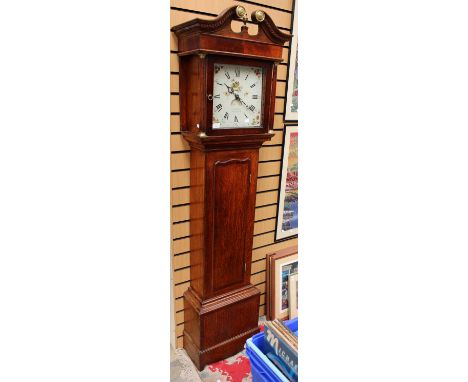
[239, 99]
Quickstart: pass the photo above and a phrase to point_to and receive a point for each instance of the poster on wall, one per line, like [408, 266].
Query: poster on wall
[287, 217]
[291, 104]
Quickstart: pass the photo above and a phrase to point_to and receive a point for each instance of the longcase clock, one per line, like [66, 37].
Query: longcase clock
[227, 98]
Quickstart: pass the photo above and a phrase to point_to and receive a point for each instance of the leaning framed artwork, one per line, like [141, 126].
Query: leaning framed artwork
[293, 294]
[287, 217]
[280, 265]
[291, 104]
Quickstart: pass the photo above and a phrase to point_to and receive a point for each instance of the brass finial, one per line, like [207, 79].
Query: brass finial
[241, 12]
[260, 15]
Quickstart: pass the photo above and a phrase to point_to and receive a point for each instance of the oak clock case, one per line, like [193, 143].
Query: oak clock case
[234, 73]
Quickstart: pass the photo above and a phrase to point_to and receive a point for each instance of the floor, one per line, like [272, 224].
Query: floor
[233, 369]
[182, 368]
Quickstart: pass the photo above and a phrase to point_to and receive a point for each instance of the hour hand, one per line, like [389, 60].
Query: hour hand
[229, 89]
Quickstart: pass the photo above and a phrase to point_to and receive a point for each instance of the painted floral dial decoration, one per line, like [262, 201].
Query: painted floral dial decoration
[237, 96]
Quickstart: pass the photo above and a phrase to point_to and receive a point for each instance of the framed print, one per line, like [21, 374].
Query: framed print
[293, 296]
[287, 216]
[291, 104]
[279, 266]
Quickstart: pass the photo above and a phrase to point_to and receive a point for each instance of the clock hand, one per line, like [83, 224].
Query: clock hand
[229, 89]
[239, 99]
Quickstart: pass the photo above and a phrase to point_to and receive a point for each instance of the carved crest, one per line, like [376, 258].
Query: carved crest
[267, 30]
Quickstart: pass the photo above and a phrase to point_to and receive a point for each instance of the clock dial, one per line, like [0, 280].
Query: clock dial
[237, 96]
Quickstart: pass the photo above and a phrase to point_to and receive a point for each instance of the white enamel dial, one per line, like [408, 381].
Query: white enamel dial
[237, 96]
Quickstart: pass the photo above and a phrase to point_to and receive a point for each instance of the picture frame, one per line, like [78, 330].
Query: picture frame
[287, 217]
[279, 265]
[293, 295]
[291, 105]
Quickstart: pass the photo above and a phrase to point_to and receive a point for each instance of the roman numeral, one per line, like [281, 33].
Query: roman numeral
[216, 96]
[255, 96]
[235, 119]
[226, 116]
[252, 107]
[227, 75]
[253, 85]
[219, 107]
[237, 72]
[246, 76]
[219, 83]
[246, 116]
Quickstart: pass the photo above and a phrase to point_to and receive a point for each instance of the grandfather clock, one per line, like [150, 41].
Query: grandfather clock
[227, 100]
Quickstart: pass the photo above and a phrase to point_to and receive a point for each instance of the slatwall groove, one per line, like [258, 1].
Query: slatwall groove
[181, 237]
[182, 221]
[181, 261]
[211, 9]
[263, 233]
[269, 168]
[265, 5]
[192, 11]
[181, 214]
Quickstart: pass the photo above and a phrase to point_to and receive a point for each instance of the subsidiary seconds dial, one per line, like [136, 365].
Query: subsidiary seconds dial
[237, 96]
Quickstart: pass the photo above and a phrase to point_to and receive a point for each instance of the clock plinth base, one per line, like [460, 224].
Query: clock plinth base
[217, 328]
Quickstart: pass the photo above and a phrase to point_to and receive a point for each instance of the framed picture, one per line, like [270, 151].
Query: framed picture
[293, 296]
[291, 104]
[287, 216]
[279, 266]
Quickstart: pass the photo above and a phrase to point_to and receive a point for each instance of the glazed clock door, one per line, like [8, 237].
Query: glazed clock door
[232, 176]
[237, 96]
[237, 92]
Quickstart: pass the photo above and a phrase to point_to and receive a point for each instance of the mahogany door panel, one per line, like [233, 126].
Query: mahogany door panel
[232, 177]
[231, 180]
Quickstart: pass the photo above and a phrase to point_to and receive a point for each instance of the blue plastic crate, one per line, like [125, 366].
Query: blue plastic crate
[263, 370]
